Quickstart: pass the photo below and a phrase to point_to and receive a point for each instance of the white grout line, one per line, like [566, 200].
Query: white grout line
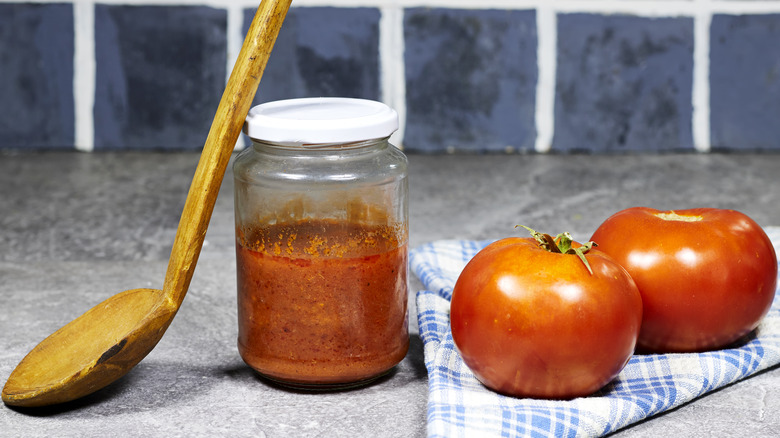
[745, 7]
[546, 55]
[701, 76]
[392, 68]
[639, 7]
[235, 36]
[235, 40]
[633, 7]
[84, 74]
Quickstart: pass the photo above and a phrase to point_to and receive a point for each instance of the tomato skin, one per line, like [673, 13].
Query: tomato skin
[531, 323]
[705, 283]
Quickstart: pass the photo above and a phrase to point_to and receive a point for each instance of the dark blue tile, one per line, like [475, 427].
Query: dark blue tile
[624, 83]
[470, 79]
[745, 82]
[36, 76]
[160, 75]
[329, 52]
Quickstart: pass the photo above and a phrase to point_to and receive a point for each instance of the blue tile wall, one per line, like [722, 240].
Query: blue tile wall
[160, 75]
[470, 79]
[323, 52]
[465, 77]
[745, 82]
[36, 76]
[624, 83]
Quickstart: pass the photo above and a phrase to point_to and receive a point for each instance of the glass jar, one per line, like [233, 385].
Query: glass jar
[321, 243]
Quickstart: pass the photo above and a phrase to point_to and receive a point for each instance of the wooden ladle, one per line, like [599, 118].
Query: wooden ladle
[108, 340]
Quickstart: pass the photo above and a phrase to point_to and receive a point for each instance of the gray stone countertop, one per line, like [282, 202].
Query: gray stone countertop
[77, 228]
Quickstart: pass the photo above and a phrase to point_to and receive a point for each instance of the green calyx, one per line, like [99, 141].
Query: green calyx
[562, 244]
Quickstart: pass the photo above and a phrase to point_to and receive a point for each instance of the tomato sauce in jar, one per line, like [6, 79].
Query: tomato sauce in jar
[322, 303]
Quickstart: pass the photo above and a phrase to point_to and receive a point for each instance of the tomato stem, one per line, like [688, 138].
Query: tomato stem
[562, 244]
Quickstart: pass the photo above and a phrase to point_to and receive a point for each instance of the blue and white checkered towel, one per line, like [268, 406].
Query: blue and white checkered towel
[458, 405]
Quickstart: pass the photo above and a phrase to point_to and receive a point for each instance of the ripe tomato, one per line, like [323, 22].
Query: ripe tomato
[707, 276]
[534, 323]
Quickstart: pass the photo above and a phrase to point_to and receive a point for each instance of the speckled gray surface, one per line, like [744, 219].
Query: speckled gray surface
[77, 228]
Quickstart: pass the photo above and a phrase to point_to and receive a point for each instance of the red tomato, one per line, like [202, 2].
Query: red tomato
[533, 323]
[707, 276]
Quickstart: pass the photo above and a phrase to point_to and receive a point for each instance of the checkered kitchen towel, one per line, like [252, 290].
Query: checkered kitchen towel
[458, 405]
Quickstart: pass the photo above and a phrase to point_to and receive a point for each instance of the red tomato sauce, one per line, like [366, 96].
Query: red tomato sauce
[322, 303]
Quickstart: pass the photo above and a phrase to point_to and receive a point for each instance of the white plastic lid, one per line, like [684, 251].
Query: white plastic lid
[320, 120]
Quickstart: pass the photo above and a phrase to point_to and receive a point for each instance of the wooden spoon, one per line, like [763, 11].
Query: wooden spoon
[108, 340]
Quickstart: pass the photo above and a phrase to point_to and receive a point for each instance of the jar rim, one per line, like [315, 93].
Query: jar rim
[320, 121]
[322, 146]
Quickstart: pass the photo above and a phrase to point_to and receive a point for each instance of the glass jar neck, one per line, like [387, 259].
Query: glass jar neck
[357, 146]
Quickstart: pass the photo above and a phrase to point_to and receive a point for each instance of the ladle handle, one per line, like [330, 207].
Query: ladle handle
[223, 135]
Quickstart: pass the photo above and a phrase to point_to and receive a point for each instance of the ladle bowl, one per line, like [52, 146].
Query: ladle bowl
[92, 351]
